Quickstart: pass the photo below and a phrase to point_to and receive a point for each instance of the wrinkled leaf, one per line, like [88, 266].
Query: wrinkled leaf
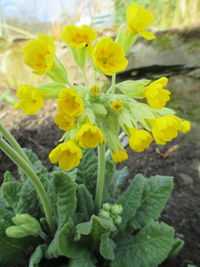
[148, 248]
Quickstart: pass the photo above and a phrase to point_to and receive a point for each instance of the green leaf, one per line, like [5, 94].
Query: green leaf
[177, 246]
[95, 229]
[37, 255]
[148, 248]
[84, 261]
[8, 177]
[107, 247]
[28, 201]
[38, 167]
[65, 196]
[130, 199]
[63, 243]
[155, 195]
[10, 248]
[87, 170]
[11, 192]
[85, 204]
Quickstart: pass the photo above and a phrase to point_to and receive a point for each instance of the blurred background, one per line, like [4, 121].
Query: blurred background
[175, 52]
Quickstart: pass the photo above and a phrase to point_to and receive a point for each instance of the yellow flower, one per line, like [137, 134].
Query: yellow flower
[64, 121]
[89, 136]
[95, 90]
[109, 56]
[70, 102]
[140, 140]
[78, 36]
[31, 99]
[185, 126]
[165, 128]
[155, 94]
[39, 54]
[116, 105]
[67, 155]
[120, 155]
[138, 20]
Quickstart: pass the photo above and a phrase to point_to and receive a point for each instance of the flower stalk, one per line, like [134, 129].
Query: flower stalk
[100, 177]
[20, 161]
[10, 138]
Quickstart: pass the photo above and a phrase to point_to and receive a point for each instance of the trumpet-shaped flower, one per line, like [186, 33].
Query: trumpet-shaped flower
[140, 140]
[165, 128]
[64, 121]
[78, 36]
[155, 94]
[67, 155]
[109, 56]
[89, 136]
[95, 90]
[185, 126]
[116, 105]
[30, 99]
[120, 155]
[70, 102]
[39, 54]
[138, 20]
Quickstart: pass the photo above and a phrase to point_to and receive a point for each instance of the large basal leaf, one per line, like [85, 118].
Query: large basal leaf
[107, 247]
[28, 201]
[130, 199]
[148, 248]
[85, 203]
[63, 243]
[65, 196]
[87, 170]
[37, 255]
[11, 192]
[156, 192]
[11, 249]
[38, 167]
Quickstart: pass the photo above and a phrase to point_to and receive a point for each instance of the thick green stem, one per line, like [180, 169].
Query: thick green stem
[100, 177]
[10, 138]
[16, 158]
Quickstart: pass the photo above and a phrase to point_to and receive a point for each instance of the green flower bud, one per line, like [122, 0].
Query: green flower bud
[58, 73]
[116, 209]
[25, 225]
[16, 232]
[117, 220]
[104, 214]
[106, 206]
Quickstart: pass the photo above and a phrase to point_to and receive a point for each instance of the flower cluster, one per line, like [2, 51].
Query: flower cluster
[92, 116]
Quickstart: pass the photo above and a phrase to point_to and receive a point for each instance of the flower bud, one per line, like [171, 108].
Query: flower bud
[116, 209]
[106, 206]
[104, 214]
[25, 225]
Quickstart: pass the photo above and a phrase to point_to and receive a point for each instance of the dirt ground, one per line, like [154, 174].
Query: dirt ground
[180, 159]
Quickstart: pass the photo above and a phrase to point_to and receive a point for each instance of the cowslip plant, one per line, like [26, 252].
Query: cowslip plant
[79, 210]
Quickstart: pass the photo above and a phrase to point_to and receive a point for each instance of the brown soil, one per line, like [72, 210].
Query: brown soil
[183, 163]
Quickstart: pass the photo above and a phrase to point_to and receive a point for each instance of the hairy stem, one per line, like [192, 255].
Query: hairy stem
[10, 138]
